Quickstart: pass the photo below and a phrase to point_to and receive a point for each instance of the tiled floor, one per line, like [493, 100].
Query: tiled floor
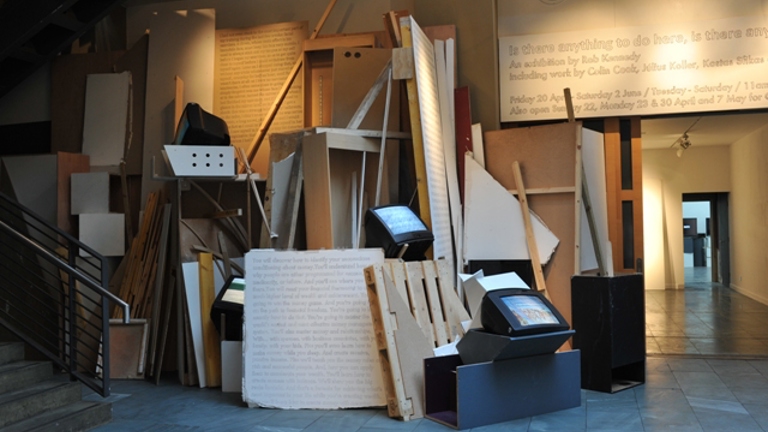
[707, 370]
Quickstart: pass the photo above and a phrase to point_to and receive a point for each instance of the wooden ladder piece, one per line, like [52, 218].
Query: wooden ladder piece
[533, 249]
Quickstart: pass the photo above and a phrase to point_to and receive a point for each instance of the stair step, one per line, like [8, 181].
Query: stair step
[23, 404]
[11, 352]
[17, 375]
[78, 416]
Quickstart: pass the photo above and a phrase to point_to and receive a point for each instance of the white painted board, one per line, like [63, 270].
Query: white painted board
[105, 233]
[309, 340]
[90, 193]
[593, 158]
[432, 137]
[107, 100]
[493, 221]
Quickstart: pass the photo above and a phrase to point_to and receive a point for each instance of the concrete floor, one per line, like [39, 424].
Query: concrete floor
[707, 370]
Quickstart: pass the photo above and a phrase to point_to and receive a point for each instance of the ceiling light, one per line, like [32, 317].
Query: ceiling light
[684, 141]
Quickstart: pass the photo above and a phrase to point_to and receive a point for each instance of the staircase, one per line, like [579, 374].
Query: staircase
[32, 398]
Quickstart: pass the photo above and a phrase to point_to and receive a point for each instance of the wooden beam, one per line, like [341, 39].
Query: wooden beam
[253, 148]
[533, 249]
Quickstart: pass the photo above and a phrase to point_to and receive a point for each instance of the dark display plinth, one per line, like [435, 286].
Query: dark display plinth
[478, 346]
[467, 396]
[608, 314]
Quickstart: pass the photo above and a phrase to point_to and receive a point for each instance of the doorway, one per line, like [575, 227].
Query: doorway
[706, 239]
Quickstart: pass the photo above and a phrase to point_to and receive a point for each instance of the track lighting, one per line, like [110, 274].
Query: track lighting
[684, 141]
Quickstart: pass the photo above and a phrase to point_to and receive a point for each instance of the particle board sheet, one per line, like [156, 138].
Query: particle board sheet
[309, 342]
[548, 157]
[182, 44]
[415, 309]
[251, 67]
[427, 130]
[355, 71]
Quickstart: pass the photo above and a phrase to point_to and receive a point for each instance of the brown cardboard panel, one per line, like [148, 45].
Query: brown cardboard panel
[135, 61]
[68, 96]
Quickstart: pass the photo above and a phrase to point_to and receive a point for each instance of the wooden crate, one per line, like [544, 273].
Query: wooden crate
[415, 309]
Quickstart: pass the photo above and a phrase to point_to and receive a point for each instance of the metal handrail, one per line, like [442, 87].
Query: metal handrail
[53, 295]
[82, 277]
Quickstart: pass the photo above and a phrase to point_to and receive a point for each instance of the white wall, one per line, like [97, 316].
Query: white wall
[749, 215]
[531, 17]
[700, 169]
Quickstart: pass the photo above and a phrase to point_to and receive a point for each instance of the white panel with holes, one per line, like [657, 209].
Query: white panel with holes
[201, 161]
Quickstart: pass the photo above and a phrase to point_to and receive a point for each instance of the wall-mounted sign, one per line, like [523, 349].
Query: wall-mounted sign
[690, 67]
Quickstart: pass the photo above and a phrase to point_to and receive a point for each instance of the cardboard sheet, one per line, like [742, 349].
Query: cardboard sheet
[309, 340]
[494, 228]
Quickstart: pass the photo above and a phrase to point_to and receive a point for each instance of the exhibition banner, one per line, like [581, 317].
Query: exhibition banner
[689, 67]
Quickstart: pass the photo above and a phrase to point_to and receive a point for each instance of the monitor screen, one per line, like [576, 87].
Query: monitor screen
[519, 312]
[400, 219]
[529, 310]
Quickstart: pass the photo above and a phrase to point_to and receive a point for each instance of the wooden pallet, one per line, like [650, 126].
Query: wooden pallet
[415, 309]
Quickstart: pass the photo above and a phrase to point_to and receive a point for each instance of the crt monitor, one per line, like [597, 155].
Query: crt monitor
[396, 229]
[198, 127]
[230, 302]
[519, 312]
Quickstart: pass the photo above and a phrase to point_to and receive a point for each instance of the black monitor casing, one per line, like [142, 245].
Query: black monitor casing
[391, 227]
[498, 318]
[198, 127]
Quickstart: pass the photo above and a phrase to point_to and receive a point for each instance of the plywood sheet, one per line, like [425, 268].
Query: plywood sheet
[309, 339]
[107, 101]
[182, 44]
[251, 67]
[548, 157]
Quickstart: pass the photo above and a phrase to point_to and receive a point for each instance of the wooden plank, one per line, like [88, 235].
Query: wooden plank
[439, 324]
[343, 40]
[533, 249]
[418, 300]
[159, 286]
[253, 148]
[360, 64]
[211, 342]
[454, 311]
[463, 109]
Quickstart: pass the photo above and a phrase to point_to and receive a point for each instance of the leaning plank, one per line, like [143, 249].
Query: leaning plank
[533, 249]
[253, 148]
[211, 343]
